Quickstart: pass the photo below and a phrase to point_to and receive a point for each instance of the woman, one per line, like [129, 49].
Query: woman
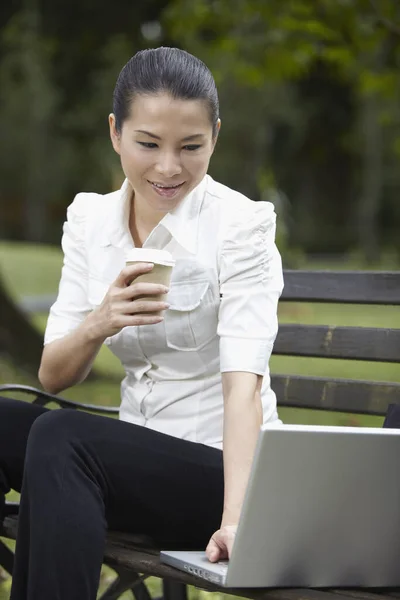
[196, 365]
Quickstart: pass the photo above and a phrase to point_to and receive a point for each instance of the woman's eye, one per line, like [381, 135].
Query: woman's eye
[192, 147]
[148, 144]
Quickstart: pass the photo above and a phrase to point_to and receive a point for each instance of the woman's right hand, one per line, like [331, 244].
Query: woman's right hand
[122, 305]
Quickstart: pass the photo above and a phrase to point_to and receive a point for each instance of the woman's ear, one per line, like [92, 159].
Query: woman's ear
[114, 135]
[215, 138]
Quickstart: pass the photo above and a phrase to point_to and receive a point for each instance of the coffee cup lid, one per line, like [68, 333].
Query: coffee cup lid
[152, 255]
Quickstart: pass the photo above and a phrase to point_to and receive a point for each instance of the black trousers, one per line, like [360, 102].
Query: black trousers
[80, 474]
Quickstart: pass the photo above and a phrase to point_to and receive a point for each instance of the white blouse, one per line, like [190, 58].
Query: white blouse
[223, 294]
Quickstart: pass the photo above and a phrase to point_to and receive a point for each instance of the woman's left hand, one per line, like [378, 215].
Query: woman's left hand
[221, 543]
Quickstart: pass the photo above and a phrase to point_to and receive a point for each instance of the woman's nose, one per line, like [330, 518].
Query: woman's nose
[169, 165]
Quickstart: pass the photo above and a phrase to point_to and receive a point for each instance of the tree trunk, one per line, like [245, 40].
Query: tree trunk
[20, 342]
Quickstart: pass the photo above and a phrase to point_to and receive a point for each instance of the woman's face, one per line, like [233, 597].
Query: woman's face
[165, 147]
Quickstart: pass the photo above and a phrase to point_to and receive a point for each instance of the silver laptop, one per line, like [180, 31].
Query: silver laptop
[322, 508]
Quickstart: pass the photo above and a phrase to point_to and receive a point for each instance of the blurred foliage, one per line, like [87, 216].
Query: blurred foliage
[58, 67]
[325, 77]
[277, 40]
[309, 95]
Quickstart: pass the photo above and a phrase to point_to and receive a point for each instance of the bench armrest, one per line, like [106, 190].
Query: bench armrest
[43, 398]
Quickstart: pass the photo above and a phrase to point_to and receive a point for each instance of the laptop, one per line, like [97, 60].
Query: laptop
[321, 509]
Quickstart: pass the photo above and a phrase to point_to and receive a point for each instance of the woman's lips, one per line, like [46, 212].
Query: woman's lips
[166, 192]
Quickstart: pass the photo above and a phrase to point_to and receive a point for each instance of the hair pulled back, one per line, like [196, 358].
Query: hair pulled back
[165, 70]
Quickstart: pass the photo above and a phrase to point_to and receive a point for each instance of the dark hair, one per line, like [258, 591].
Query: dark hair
[169, 70]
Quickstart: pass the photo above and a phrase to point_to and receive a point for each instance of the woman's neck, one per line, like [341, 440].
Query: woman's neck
[142, 220]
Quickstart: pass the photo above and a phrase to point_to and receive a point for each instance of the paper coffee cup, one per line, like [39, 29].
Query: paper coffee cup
[161, 272]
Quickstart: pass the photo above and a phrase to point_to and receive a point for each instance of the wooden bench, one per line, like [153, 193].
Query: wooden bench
[133, 558]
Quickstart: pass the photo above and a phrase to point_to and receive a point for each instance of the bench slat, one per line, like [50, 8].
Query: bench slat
[351, 287]
[120, 551]
[343, 395]
[355, 343]
[363, 594]
[141, 562]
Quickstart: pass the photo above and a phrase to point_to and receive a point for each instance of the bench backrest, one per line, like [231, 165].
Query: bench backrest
[330, 341]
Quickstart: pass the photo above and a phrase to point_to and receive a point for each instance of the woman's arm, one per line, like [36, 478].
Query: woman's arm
[242, 421]
[67, 361]
[251, 282]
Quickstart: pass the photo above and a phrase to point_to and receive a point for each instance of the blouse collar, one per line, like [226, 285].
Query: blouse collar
[181, 223]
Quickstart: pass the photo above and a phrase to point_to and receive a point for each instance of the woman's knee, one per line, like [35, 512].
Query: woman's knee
[17, 413]
[52, 436]
[58, 451]
[9, 411]
[16, 420]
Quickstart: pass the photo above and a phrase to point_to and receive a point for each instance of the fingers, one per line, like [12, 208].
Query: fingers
[135, 313]
[142, 289]
[128, 274]
[141, 306]
[132, 305]
[136, 320]
[217, 549]
[221, 543]
[212, 551]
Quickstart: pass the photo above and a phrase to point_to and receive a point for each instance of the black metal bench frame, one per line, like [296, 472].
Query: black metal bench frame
[133, 559]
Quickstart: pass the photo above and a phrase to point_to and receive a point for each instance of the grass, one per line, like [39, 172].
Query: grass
[35, 270]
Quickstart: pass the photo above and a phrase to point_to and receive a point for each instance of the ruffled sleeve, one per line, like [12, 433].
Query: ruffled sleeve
[71, 306]
[251, 283]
